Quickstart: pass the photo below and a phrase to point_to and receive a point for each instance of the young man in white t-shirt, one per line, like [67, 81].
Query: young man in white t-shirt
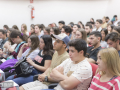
[74, 73]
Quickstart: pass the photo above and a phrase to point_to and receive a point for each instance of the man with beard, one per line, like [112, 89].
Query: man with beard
[94, 39]
[112, 40]
[88, 29]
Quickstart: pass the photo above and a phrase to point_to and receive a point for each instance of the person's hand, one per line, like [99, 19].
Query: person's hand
[41, 77]
[30, 61]
[6, 45]
[55, 74]
[24, 45]
[61, 70]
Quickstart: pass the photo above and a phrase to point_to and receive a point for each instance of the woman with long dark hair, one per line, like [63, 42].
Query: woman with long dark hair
[41, 62]
[17, 38]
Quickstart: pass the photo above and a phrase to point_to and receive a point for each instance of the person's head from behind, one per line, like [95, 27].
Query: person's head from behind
[76, 27]
[104, 20]
[98, 23]
[54, 30]
[61, 41]
[104, 32]
[15, 27]
[116, 29]
[3, 34]
[67, 30]
[32, 29]
[112, 39]
[77, 49]
[108, 61]
[47, 31]
[46, 43]
[17, 37]
[110, 28]
[33, 42]
[23, 28]
[81, 34]
[61, 24]
[88, 28]
[95, 38]
[5, 27]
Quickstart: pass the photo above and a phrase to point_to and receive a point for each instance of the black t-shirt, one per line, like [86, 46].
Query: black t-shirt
[119, 53]
[40, 59]
[92, 53]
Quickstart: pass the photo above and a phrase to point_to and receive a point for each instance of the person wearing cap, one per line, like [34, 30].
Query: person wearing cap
[59, 56]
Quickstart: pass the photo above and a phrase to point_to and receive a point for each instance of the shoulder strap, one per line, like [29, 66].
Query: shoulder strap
[17, 48]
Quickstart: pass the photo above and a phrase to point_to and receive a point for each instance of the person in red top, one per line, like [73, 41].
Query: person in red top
[108, 77]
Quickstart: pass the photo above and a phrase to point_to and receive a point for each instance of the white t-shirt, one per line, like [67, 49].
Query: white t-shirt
[27, 33]
[99, 29]
[81, 71]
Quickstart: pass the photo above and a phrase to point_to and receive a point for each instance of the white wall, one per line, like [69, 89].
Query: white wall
[48, 11]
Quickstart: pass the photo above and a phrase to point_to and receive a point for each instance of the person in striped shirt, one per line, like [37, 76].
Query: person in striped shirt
[108, 77]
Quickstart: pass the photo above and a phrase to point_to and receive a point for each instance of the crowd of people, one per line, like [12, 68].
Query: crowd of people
[64, 54]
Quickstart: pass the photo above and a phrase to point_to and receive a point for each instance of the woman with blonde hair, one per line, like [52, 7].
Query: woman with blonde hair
[24, 29]
[108, 77]
[104, 24]
[81, 34]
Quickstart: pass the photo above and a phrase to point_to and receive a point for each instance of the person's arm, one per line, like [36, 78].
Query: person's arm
[38, 67]
[58, 75]
[21, 50]
[90, 60]
[69, 83]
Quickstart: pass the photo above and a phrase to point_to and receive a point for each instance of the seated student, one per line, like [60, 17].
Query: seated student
[110, 28]
[15, 27]
[31, 52]
[108, 77]
[42, 59]
[46, 31]
[98, 25]
[13, 45]
[103, 43]
[24, 29]
[59, 56]
[81, 25]
[32, 29]
[116, 29]
[54, 30]
[38, 30]
[5, 27]
[112, 40]
[67, 30]
[104, 24]
[75, 28]
[61, 24]
[88, 28]
[18, 38]
[3, 35]
[94, 38]
[81, 34]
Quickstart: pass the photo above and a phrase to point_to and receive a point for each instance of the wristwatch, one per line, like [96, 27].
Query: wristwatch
[46, 79]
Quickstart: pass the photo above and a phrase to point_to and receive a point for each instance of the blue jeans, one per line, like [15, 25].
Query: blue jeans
[23, 80]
